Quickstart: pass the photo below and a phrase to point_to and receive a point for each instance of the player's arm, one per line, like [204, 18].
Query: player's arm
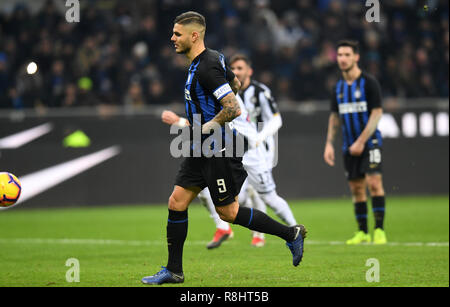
[230, 110]
[232, 79]
[333, 127]
[270, 108]
[357, 147]
[220, 80]
[373, 93]
[235, 85]
[270, 128]
[172, 118]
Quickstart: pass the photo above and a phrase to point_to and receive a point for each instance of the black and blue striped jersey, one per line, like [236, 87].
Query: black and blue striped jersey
[354, 103]
[206, 85]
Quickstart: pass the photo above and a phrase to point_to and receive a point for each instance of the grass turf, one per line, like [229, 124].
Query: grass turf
[117, 246]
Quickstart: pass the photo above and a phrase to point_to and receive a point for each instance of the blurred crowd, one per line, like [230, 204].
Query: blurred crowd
[120, 53]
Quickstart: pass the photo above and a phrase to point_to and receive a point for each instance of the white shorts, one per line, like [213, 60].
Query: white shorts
[259, 173]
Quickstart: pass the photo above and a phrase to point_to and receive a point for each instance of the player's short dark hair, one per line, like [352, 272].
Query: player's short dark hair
[241, 57]
[190, 17]
[349, 43]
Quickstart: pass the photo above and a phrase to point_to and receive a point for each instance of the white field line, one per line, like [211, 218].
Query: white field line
[188, 242]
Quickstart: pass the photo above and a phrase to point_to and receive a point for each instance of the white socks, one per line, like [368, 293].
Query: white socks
[280, 207]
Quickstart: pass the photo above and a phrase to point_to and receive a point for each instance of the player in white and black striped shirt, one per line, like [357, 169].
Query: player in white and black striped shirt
[263, 111]
[265, 116]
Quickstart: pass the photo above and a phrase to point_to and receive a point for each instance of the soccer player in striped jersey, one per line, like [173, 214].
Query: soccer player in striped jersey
[356, 107]
[254, 162]
[260, 104]
[211, 104]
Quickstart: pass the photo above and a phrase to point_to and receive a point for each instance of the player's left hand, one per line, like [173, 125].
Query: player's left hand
[357, 148]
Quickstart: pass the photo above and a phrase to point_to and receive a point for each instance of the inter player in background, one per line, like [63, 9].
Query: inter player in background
[356, 107]
[211, 104]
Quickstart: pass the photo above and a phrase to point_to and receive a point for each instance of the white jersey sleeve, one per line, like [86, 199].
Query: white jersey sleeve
[268, 104]
[270, 114]
[242, 123]
[271, 122]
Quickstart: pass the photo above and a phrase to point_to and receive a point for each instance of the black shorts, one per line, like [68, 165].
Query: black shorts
[223, 176]
[370, 162]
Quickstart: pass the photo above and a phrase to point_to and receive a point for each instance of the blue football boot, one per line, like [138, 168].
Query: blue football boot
[296, 246]
[163, 277]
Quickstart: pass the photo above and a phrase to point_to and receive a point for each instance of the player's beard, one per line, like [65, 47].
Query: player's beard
[243, 78]
[346, 70]
[183, 50]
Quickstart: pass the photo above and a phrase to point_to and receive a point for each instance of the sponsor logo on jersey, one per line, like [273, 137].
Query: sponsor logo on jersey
[355, 107]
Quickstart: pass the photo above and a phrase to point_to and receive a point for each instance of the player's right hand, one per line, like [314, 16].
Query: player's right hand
[169, 117]
[329, 154]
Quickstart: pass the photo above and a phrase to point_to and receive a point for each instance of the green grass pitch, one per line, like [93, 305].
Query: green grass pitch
[117, 246]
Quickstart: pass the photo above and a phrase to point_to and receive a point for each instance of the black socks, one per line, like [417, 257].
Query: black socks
[177, 226]
[361, 215]
[378, 208]
[258, 221]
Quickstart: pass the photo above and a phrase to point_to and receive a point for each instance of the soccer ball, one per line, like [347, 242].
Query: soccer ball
[10, 189]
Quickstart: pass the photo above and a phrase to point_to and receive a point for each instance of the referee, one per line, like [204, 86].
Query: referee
[211, 104]
[356, 107]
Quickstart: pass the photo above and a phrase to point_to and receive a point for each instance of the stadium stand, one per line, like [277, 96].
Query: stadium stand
[120, 53]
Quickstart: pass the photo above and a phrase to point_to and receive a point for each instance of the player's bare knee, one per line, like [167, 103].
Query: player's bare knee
[357, 190]
[223, 215]
[375, 186]
[227, 217]
[172, 203]
[376, 190]
[175, 204]
[227, 213]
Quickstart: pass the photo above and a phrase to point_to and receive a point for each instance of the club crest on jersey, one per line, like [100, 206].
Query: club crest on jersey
[358, 94]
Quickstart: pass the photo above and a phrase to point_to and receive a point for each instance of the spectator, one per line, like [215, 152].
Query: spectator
[123, 55]
[134, 99]
[4, 80]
